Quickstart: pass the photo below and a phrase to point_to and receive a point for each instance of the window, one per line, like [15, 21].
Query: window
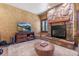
[44, 25]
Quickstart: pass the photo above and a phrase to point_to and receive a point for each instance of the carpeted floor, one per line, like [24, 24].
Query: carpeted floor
[77, 49]
[27, 49]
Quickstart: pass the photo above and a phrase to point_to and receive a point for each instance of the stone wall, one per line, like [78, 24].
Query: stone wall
[63, 10]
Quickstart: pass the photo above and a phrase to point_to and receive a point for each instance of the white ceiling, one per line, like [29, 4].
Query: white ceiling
[36, 8]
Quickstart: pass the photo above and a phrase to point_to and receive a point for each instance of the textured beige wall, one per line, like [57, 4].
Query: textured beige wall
[43, 16]
[9, 16]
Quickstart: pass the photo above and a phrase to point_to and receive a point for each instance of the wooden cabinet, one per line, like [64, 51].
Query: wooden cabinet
[24, 36]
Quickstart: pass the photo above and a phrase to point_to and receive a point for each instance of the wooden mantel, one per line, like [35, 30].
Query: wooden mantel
[59, 20]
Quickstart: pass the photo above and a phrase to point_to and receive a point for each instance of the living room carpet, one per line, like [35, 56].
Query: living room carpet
[27, 49]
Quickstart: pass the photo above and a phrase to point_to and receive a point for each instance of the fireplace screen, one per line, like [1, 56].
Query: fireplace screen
[58, 31]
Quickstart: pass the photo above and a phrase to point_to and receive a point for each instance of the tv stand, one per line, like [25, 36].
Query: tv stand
[24, 36]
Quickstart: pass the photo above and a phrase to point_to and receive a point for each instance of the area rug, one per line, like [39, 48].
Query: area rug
[27, 49]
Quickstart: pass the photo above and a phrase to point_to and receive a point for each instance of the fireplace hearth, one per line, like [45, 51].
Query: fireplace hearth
[58, 31]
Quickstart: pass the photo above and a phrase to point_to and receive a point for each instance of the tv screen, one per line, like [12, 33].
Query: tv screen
[24, 26]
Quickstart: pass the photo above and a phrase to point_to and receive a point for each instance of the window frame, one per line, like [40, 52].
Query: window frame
[44, 25]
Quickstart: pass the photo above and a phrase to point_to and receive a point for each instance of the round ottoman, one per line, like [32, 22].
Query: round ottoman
[44, 48]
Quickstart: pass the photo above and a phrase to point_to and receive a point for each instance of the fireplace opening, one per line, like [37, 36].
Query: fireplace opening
[58, 31]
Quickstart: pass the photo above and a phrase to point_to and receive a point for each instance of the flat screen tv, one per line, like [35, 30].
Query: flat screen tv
[24, 26]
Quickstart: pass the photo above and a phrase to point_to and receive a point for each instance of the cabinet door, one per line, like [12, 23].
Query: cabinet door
[21, 38]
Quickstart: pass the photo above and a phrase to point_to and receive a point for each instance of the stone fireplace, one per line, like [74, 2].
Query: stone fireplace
[61, 28]
[63, 15]
[58, 31]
